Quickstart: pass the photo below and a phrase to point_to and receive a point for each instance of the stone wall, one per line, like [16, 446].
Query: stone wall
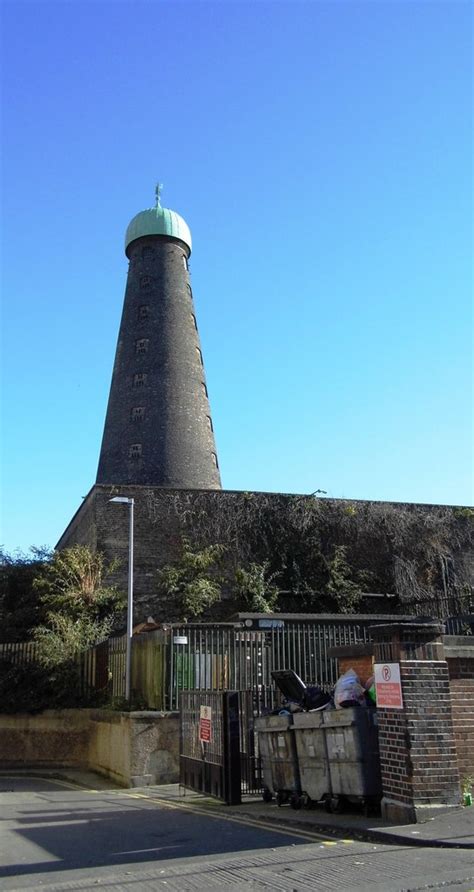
[285, 530]
[133, 749]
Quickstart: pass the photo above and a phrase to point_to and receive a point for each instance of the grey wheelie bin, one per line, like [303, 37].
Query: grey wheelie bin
[313, 762]
[277, 749]
[353, 755]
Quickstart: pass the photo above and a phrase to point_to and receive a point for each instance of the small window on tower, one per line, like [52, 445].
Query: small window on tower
[144, 311]
[138, 412]
[194, 321]
[204, 389]
[145, 281]
[190, 291]
[141, 346]
[214, 459]
[185, 261]
[200, 355]
[135, 450]
[209, 421]
[139, 380]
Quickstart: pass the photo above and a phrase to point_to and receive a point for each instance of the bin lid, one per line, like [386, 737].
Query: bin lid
[290, 684]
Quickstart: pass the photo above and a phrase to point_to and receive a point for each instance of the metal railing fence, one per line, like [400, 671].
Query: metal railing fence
[236, 656]
[232, 657]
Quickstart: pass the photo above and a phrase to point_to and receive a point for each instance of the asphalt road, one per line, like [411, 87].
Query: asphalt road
[57, 836]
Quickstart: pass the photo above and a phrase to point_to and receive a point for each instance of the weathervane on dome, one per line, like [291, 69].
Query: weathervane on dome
[159, 187]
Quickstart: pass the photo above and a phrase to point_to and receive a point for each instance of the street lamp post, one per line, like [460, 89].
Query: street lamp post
[128, 659]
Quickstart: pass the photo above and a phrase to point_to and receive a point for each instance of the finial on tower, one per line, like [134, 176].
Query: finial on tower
[159, 187]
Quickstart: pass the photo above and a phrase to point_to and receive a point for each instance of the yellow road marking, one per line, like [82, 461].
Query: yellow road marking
[70, 785]
[310, 835]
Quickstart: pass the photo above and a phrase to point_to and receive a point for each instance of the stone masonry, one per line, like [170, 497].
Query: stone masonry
[164, 515]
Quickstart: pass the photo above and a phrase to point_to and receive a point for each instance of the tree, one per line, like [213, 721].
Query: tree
[63, 638]
[255, 585]
[341, 586]
[72, 583]
[192, 582]
[20, 605]
[81, 609]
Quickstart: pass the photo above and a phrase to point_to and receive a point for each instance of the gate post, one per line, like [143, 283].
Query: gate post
[231, 732]
[416, 739]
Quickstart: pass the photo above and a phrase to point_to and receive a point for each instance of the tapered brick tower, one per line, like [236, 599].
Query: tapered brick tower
[158, 429]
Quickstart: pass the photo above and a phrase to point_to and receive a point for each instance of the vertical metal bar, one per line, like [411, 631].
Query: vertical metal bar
[300, 672]
[172, 670]
[231, 741]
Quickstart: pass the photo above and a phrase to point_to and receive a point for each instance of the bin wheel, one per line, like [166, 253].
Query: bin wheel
[296, 801]
[335, 805]
[267, 795]
[281, 797]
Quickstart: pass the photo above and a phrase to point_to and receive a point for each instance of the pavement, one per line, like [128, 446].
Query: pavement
[451, 829]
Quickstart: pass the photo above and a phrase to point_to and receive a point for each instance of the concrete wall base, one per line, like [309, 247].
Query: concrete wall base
[133, 749]
[395, 812]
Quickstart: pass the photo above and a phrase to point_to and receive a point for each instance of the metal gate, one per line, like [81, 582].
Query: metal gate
[217, 754]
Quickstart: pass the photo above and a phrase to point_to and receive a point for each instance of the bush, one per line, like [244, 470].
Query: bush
[30, 687]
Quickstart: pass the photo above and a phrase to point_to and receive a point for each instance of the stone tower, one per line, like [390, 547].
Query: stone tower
[158, 429]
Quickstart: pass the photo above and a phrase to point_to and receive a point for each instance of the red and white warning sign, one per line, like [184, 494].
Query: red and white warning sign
[388, 687]
[205, 728]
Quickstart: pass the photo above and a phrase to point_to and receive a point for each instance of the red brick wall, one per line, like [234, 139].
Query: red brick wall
[395, 768]
[461, 674]
[363, 666]
[417, 745]
[432, 747]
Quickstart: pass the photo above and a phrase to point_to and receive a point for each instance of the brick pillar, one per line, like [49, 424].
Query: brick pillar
[460, 657]
[417, 747]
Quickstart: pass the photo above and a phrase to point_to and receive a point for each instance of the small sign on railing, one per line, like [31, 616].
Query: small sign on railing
[205, 729]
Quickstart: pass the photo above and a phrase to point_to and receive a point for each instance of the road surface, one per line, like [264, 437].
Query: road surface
[57, 836]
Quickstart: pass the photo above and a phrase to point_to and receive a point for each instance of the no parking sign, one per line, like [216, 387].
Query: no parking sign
[205, 728]
[388, 687]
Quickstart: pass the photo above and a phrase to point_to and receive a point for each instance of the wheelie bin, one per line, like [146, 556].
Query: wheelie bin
[353, 756]
[277, 749]
[311, 748]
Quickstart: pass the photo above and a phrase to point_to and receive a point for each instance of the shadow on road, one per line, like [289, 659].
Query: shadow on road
[61, 829]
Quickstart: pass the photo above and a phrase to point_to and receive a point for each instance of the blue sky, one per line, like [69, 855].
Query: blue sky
[321, 154]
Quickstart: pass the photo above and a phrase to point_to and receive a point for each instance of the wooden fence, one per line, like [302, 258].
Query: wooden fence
[19, 653]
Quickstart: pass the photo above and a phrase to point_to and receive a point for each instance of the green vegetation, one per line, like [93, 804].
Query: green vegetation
[20, 606]
[256, 587]
[77, 611]
[325, 554]
[192, 582]
[341, 585]
[81, 610]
